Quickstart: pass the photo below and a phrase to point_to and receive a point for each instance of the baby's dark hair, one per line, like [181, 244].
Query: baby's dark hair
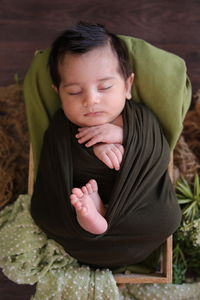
[82, 38]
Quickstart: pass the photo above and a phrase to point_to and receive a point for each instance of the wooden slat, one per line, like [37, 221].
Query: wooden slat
[166, 266]
[30, 172]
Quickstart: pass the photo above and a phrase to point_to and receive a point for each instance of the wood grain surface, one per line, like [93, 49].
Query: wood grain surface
[27, 25]
[13, 291]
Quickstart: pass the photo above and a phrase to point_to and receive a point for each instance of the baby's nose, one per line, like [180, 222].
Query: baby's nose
[91, 99]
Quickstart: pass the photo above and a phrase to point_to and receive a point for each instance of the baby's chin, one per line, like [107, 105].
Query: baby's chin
[90, 123]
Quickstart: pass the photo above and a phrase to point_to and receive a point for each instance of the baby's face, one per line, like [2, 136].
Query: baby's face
[92, 91]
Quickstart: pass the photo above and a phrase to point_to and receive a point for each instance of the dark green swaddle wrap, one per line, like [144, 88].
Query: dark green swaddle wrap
[142, 209]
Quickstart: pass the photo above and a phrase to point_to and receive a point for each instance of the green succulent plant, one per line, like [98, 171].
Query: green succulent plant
[189, 198]
[186, 252]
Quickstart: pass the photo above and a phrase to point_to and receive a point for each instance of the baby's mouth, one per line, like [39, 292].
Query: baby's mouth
[93, 114]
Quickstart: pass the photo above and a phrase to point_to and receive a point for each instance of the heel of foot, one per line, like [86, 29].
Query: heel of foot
[96, 225]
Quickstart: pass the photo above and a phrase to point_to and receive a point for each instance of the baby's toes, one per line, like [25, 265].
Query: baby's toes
[89, 188]
[93, 185]
[84, 190]
[78, 192]
[73, 199]
[78, 206]
[76, 202]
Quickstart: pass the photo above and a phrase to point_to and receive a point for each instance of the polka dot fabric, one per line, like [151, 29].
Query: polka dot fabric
[28, 257]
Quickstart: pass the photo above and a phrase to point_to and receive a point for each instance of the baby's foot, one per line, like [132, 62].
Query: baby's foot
[88, 206]
[92, 188]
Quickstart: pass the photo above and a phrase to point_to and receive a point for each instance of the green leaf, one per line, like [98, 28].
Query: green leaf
[190, 211]
[184, 200]
[184, 189]
[197, 186]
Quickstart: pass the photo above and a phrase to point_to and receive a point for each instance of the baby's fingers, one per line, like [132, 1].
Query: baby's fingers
[88, 135]
[84, 137]
[93, 141]
[106, 160]
[114, 156]
[121, 148]
[118, 153]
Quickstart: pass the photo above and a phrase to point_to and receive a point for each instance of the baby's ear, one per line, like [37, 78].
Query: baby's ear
[54, 88]
[129, 83]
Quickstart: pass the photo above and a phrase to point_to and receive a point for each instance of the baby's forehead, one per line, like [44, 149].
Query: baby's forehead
[90, 67]
[99, 59]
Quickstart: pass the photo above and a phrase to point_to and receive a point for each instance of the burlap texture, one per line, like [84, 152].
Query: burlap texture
[14, 144]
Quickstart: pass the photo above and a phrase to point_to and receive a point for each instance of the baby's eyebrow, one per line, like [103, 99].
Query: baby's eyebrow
[70, 84]
[106, 78]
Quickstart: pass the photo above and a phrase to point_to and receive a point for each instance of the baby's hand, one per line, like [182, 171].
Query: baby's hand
[109, 154]
[106, 133]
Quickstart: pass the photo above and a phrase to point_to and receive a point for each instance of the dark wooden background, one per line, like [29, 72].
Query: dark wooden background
[27, 25]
